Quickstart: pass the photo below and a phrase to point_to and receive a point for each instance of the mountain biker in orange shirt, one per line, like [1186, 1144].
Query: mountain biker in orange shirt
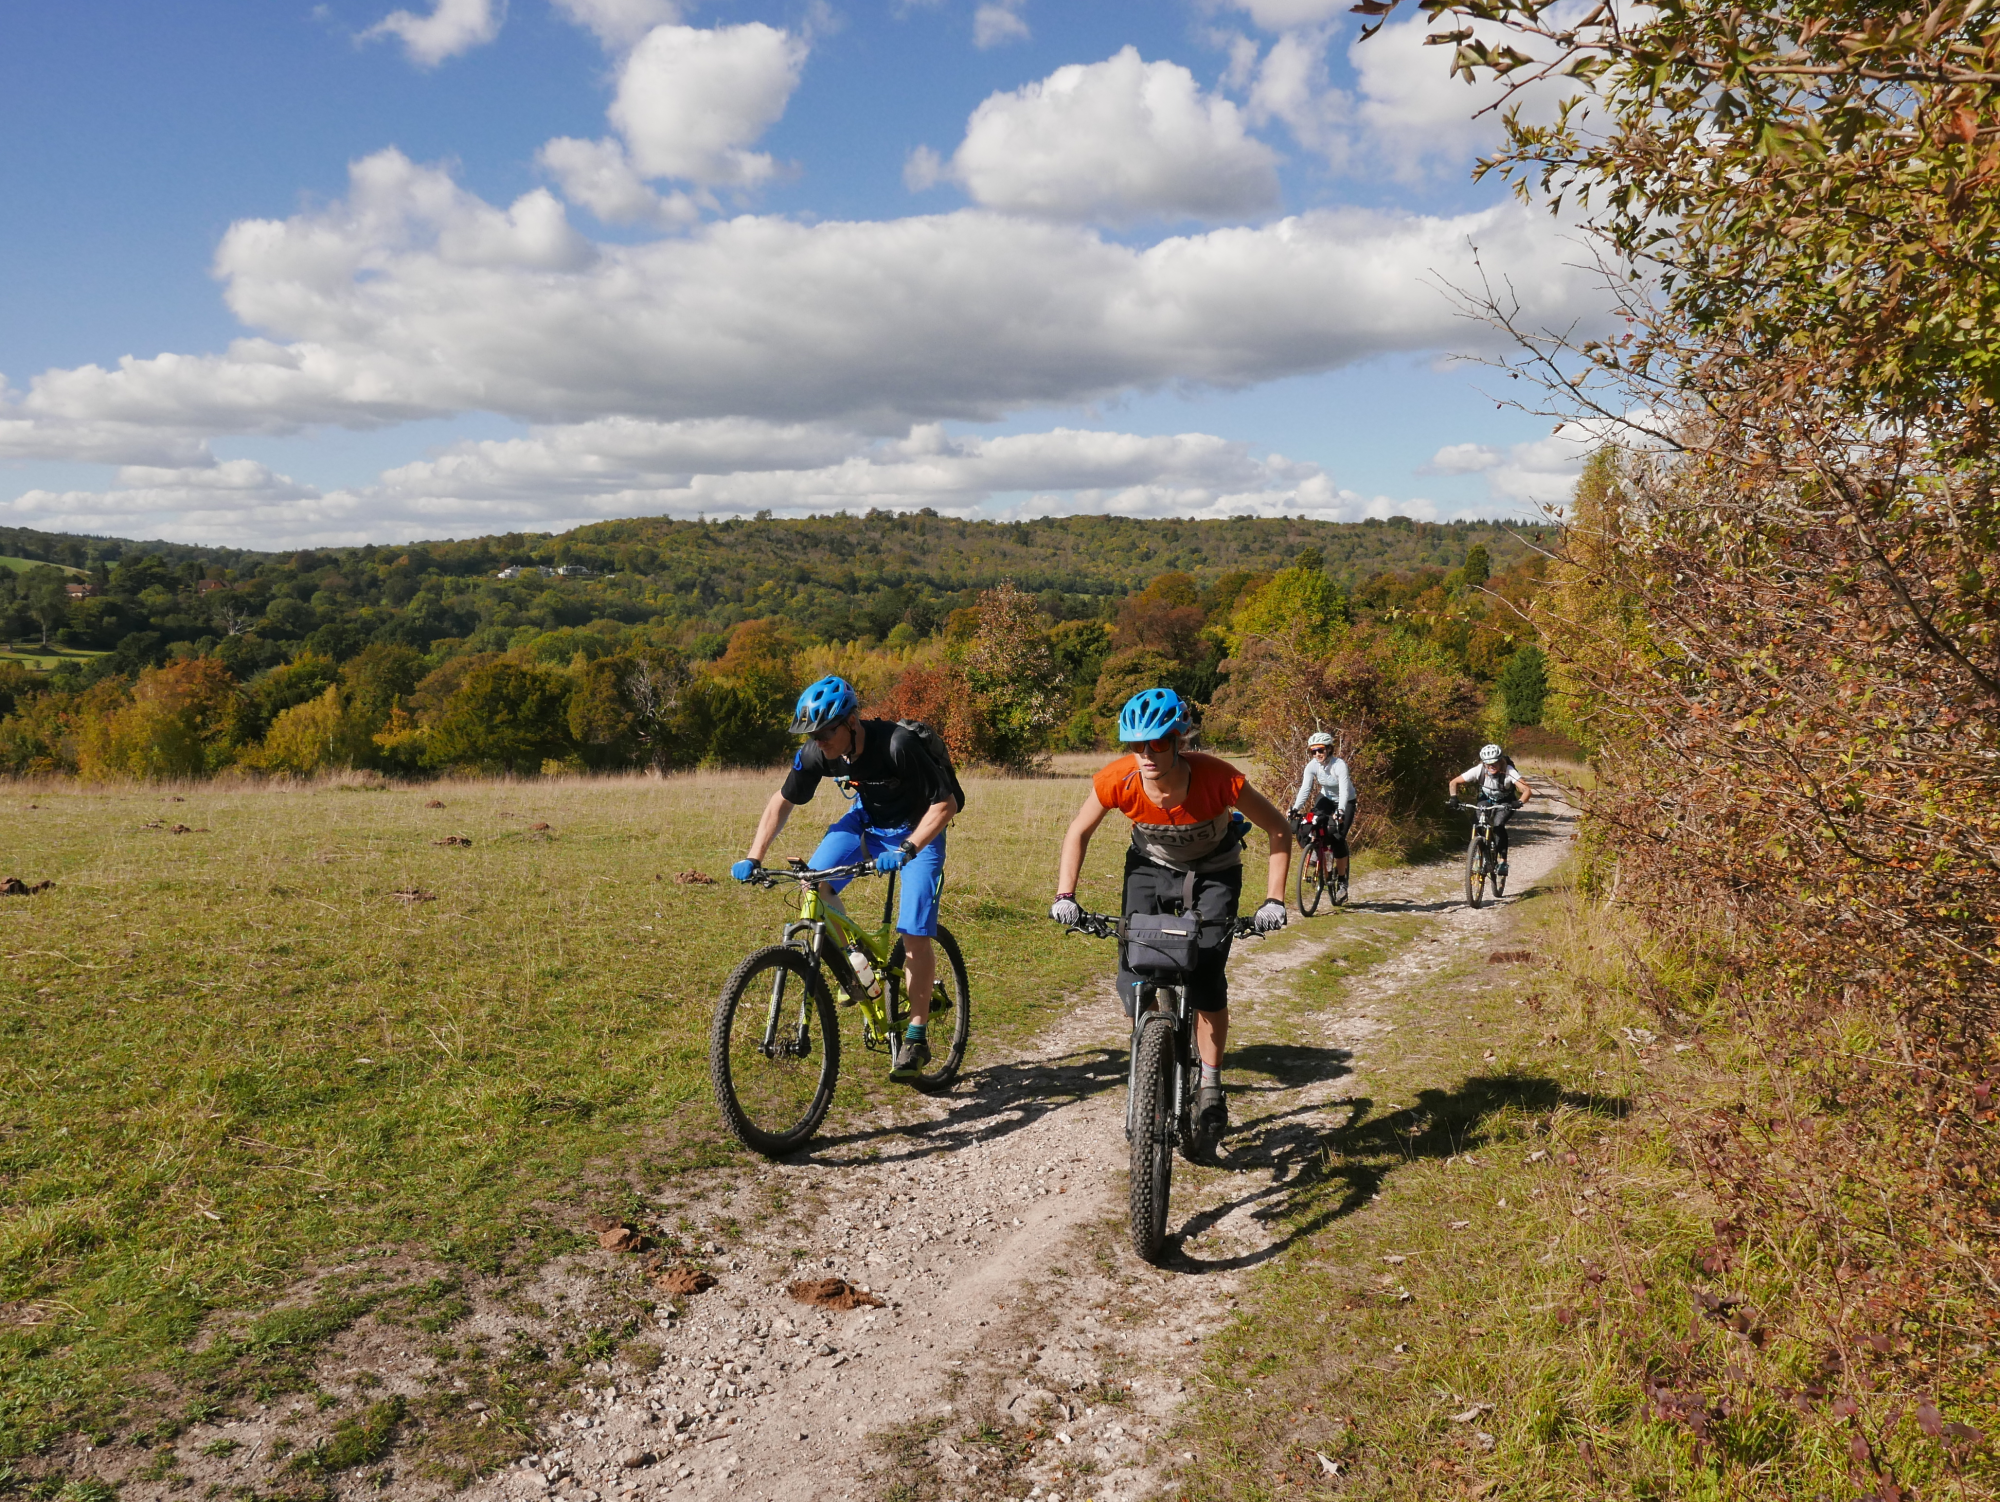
[1181, 806]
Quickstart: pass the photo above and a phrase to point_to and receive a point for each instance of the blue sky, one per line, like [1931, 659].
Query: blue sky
[279, 273]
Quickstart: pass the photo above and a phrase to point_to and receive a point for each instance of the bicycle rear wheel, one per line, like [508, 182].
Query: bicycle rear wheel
[1475, 870]
[773, 1080]
[1152, 1137]
[951, 1009]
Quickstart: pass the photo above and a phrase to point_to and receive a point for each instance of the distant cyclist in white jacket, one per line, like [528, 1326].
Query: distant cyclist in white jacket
[1499, 782]
[1329, 792]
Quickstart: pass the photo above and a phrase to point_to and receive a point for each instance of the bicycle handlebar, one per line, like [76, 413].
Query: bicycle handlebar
[767, 876]
[1104, 926]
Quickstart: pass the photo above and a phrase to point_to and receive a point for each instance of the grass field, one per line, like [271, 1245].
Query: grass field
[22, 565]
[42, 659]
[233, 1052]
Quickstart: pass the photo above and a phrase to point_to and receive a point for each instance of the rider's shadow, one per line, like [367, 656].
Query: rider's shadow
[1356, 1158]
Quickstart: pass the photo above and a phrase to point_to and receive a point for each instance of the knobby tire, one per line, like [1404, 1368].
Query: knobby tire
[773, 1105]
[1312, 880]
[951, 1003]
[1152, 1138]
[1475, 871]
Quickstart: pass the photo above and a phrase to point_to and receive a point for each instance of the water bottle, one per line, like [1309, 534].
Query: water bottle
[864, 973]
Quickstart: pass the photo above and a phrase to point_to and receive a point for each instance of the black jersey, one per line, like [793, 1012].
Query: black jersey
[895, 776]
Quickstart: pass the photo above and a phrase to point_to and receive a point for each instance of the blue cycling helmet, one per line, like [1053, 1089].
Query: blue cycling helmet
[1148, 716]
[824, 703]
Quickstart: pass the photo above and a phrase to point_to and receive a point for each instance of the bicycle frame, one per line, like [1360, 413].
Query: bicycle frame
[817, 917]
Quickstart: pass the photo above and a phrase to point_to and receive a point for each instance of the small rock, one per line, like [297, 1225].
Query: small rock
[631, 1460]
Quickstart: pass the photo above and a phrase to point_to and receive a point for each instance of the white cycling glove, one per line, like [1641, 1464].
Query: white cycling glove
[1065, 911]
[1270, 917]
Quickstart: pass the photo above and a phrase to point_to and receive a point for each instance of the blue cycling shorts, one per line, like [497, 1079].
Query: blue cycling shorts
[851, 838]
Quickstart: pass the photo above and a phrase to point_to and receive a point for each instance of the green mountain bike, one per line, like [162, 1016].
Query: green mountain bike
[774, 1047]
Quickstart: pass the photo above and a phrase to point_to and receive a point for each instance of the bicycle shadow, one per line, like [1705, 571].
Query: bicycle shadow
[989, 1102]
[1361, 1155]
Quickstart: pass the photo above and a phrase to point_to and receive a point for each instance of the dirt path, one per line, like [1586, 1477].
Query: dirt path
[1021, 1341]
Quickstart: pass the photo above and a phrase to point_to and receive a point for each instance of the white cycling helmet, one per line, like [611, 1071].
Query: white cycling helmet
[1317, 739]
[1490, 753]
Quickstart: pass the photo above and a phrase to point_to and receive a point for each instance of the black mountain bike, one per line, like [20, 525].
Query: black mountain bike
[1163, 1074]
[1482, 851]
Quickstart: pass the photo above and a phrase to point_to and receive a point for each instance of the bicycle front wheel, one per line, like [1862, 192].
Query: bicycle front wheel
[1312, 879]
[950, 1026]
[773, 1078]
[1475, 870]
[1152, 1138]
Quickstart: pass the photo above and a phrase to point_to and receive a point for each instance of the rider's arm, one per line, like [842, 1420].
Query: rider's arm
[1076, 840]
[933, 822]
[1343, 787]
[776, 812]
[1262, 812]
[1521, 782]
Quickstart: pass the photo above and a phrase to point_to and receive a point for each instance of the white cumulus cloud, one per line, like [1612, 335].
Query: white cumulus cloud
[1116, 141]
[619, 23]
[560, 476]
[998, 22]
[691, 101]
[1523, 475]
[414, 298]
[452, 27]
[598, 176]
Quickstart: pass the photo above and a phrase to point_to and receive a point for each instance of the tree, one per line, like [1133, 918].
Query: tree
[1297, 601]
[1523, 684]
[1008, 664]
[321, 734]
[179, 720]
[47, 595]
[508, 716]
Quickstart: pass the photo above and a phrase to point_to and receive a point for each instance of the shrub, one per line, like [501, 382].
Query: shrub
[179, 721]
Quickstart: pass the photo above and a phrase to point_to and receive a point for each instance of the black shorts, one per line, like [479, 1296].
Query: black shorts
[1157, 889]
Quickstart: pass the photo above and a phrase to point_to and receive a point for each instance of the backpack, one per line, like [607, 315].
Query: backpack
[940, 755]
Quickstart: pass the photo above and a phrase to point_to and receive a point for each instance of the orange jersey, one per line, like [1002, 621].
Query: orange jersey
[1193, 836]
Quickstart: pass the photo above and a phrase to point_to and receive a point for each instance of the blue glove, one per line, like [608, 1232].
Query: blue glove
[892, 860]
[746, 868]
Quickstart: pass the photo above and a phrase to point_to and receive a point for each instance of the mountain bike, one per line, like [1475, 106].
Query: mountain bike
[1317, 877]
[1482, 851]
[774, 1074]
[1163, 1072]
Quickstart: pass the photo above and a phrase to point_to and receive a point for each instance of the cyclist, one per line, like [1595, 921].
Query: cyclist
[1499, 780]
[1180, 806]
[1333, 806]
[904, 801]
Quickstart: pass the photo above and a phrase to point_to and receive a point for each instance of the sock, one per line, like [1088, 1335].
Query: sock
[1211, 1074]
[915, 1031]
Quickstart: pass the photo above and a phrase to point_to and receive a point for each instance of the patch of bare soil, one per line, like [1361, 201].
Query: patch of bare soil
[939, 1303]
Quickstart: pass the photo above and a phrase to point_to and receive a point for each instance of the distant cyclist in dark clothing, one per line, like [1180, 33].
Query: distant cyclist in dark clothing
[903, 802]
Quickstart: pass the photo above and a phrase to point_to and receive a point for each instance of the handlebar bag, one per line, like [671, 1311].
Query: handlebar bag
[1162, 946]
